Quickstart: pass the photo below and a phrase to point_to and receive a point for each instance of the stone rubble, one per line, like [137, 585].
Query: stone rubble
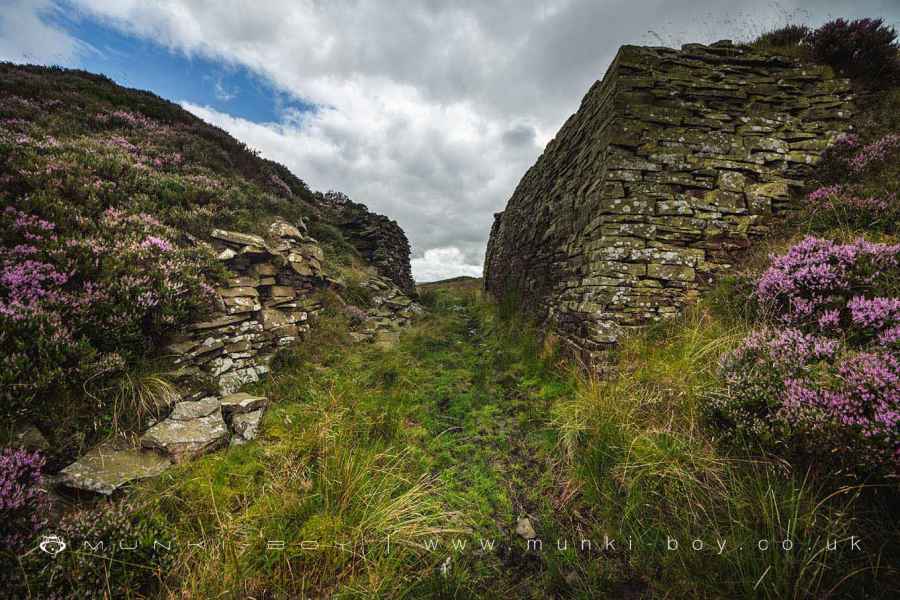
[265, 306]
[676, 160]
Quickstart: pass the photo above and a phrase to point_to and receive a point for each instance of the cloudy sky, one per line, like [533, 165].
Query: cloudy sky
[427, 111]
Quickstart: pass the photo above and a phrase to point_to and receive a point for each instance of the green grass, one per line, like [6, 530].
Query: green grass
[471, 422]
[443, 437]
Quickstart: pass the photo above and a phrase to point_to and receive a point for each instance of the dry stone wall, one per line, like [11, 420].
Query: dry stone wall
[264, 306]
[380, 240]
[674, 161]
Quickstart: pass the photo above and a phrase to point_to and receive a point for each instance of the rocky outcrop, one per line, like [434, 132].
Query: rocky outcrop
[378, 239]
[674, 161]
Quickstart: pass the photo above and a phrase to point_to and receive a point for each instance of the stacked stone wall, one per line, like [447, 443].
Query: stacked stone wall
[378, 239]
[674, 162]
[265, 305]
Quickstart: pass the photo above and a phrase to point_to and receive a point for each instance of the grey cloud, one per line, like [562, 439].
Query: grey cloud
[431, 111]
[520, 135]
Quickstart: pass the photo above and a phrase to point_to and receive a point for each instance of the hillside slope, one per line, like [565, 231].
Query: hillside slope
[111, 198]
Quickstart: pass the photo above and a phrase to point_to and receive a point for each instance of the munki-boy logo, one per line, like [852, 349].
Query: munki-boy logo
[52, 545]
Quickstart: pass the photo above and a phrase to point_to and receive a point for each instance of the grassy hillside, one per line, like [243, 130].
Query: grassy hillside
[108, 195]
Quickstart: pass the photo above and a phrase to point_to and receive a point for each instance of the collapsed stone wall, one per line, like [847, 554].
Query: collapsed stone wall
[673, 162]
[265, 305]
[380, 240]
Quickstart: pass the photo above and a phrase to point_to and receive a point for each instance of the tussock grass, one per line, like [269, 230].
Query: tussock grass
[650, 471]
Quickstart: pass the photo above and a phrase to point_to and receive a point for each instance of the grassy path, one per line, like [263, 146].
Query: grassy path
[409, 467]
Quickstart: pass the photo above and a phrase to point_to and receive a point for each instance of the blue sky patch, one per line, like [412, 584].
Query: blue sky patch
[228, 88]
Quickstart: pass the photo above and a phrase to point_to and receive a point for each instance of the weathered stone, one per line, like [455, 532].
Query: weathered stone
[238, 347]
[193, 428]
[732, 181]
[242, 402]
[246, 425]
[525, 529]
[265, 270]
[181, 347]
[242, 281]
[111, 465]
[271, 318]
[241, 304]
[242, 239]
[279, 291]
[220, 365]
[283, 229]
[671, 272]
[233, 380]
[184, 411]
[220, 322]
[234, 292]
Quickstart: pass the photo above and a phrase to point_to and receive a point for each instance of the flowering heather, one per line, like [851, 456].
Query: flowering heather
[824, 193]
[23, 505]
[828, 380]
[818, 275]
[66, 301]
[875, 153]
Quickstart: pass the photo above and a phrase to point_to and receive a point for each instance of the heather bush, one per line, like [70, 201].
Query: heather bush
[864, 49]
[110, 553]
[78, 305]
[849, 207]
[824, 378]
[23, 504]
[812, 285]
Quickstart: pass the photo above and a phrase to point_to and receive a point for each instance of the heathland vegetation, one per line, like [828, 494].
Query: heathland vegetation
[748, 448]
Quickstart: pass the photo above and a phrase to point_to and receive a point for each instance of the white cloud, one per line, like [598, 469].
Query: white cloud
[443, 263]
[26, 36]
[430, 112]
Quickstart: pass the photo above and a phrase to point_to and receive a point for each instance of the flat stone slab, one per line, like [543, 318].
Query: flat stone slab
[246, 426]
[185, 411]
[193, 429]
[109, 466]
[242, 402]
[234, 237]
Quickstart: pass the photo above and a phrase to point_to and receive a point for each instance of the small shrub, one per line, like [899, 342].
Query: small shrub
[826, 380]
[110, 553]
[789, 35]
[848, 207]
[358, 294]
[355, 315]
[865, 49]
[875, 154]
[790, 40]
[834, 167]
[23, 504]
